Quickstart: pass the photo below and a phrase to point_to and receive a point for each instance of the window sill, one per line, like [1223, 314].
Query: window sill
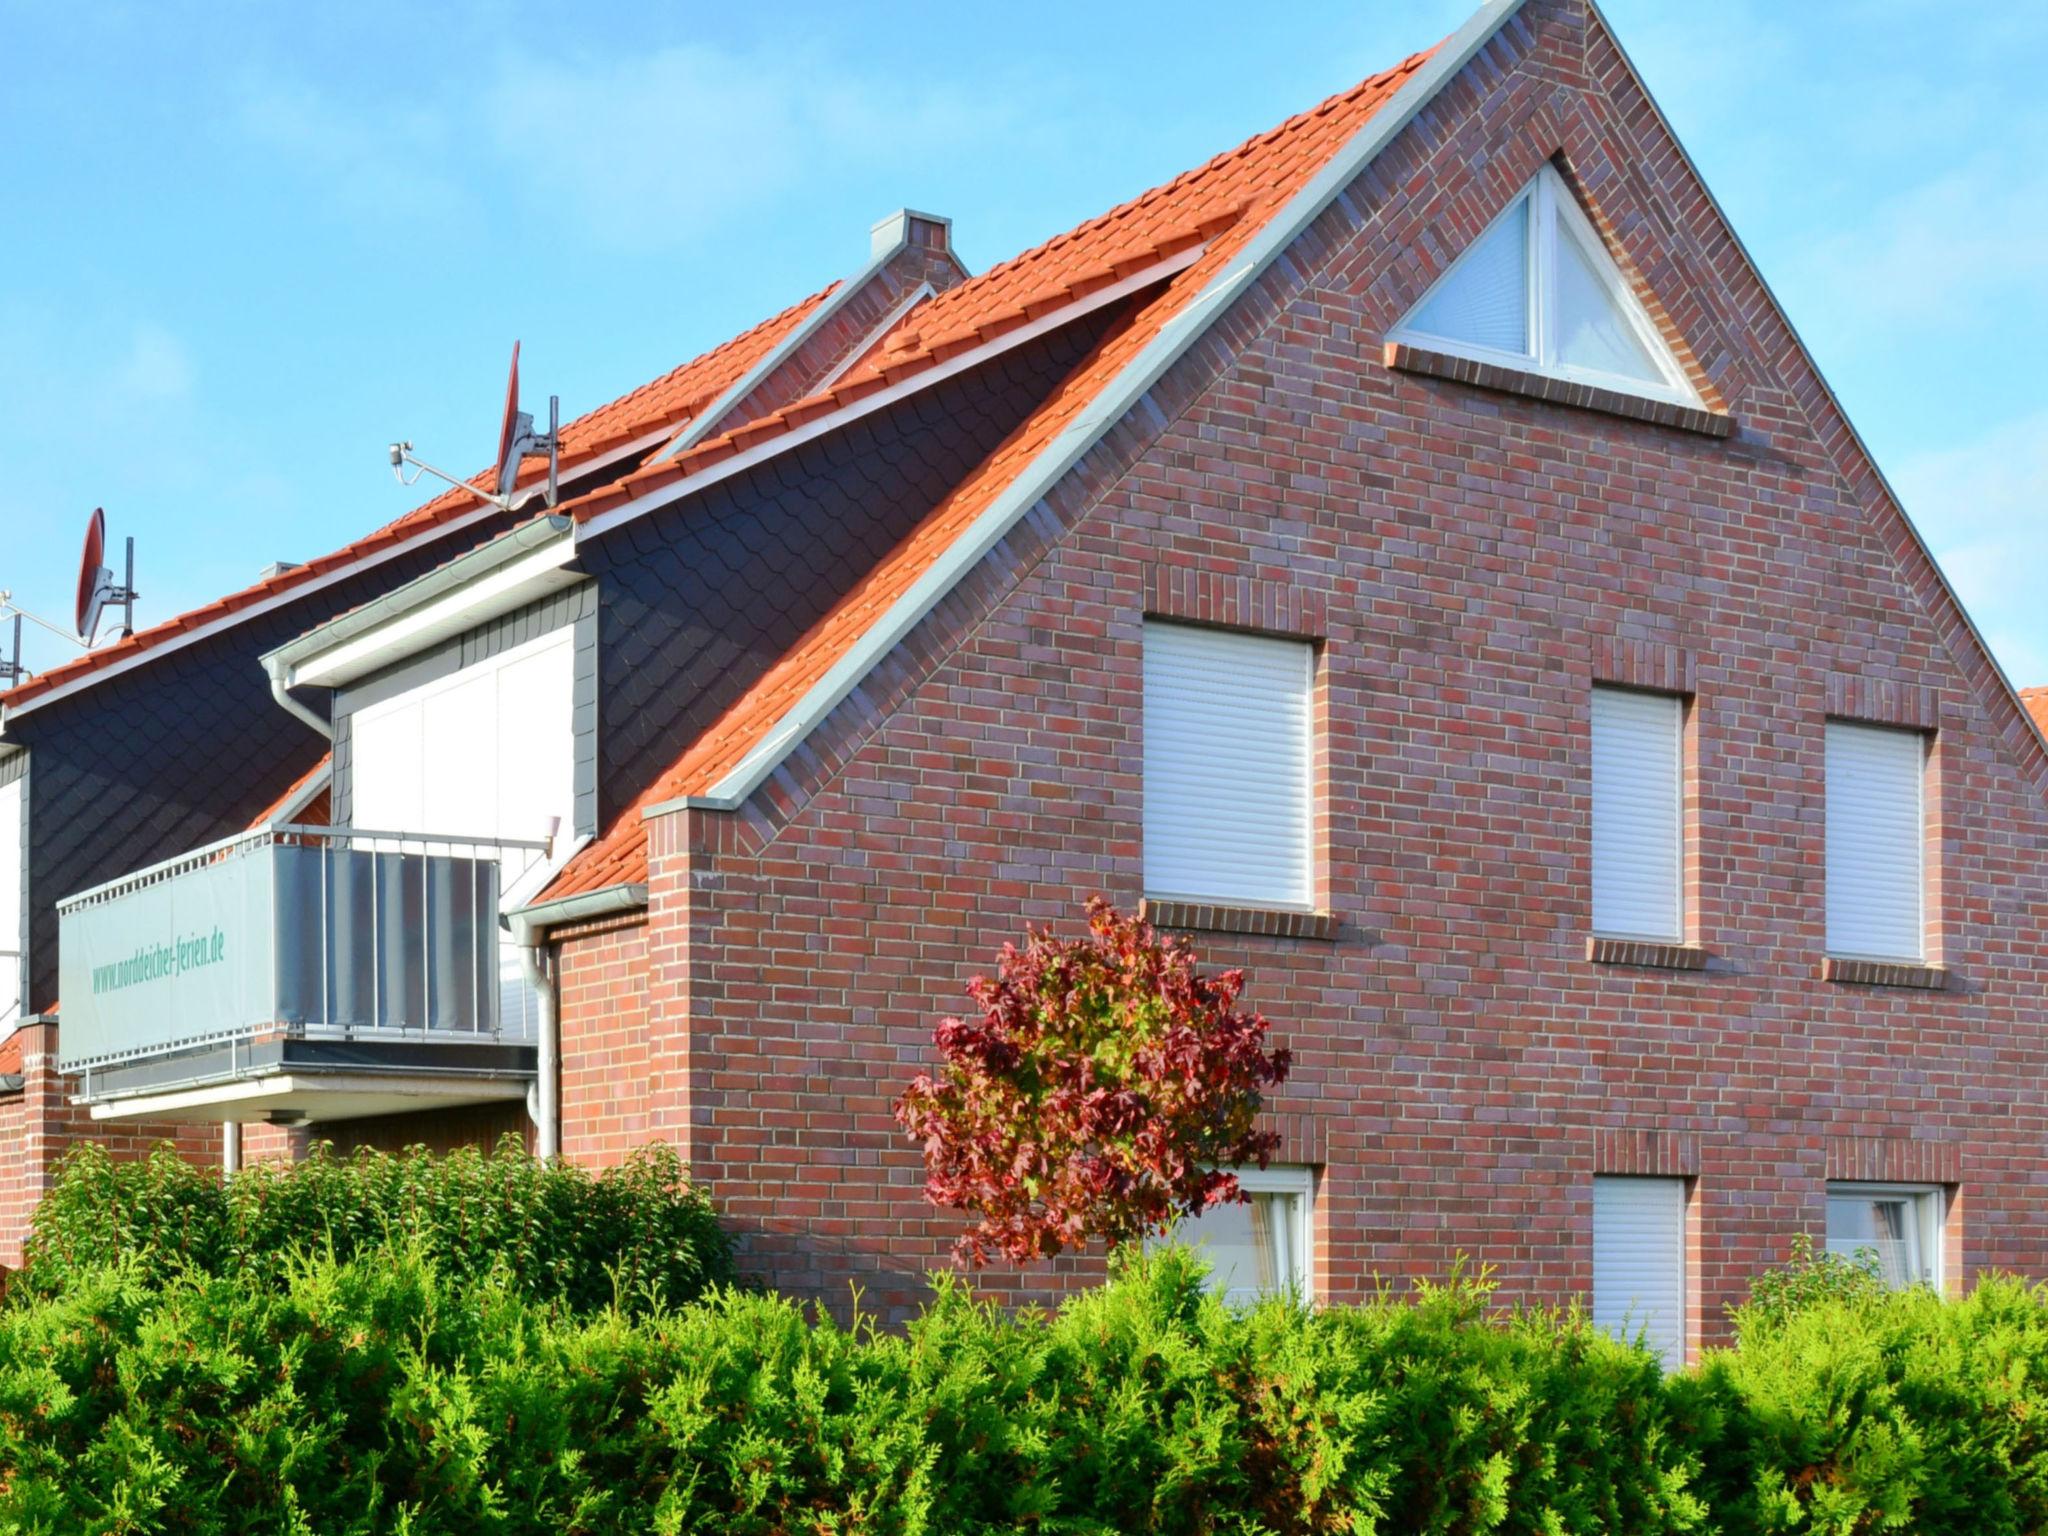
[1210, 917]
[1409, 358]
[1883, 973]
[1646, 952]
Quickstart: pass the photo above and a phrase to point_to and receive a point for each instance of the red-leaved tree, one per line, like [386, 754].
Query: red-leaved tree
[1102, 1091]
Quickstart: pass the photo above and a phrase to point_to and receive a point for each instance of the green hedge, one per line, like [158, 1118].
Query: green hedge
[170, 1369]
[638, 1233]
[376, 1396]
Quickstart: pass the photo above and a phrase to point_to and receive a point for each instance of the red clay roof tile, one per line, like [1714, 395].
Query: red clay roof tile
[1226, 202]
[316, 813]
[2036, 700]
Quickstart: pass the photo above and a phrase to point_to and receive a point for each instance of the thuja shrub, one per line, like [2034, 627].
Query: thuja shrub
[374, 1396]
[1103, 1091]
[1847, 1408]
[638, 1234]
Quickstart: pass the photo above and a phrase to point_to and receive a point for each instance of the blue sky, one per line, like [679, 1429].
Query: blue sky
[248, 244]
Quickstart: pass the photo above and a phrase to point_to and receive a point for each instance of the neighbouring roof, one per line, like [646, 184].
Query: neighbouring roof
[1222, 206]
[307, 805]
[666, 402]
[2036, 700]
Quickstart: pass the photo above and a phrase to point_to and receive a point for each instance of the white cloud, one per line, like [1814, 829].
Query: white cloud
[1983, 506]
[390, 159]
[157, 367]
[633, 151]
[1945, 252]
[655, 145]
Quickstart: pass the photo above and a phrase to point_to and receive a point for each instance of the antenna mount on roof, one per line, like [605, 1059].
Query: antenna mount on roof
[517, 441]
[12, 670]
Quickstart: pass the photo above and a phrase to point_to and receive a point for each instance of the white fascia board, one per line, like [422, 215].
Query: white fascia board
[510, 586]
[881, 399]
[1122, 394]
[529, 925]
[172, 643]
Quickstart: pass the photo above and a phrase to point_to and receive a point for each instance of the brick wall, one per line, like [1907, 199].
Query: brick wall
[39, 1124]
[611, 1068]
[1470, 562]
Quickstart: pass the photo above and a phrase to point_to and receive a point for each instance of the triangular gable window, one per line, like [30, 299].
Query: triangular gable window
[1537, 290]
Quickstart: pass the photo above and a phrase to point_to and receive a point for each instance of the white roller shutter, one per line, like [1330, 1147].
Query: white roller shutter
[1639, 1262]
[12, 857]
[487, 752]
[1638, 815]
[1875, 841]
[387, 768]
[1229, 721]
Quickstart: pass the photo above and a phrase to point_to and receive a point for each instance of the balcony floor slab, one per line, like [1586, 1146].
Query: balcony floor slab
[310, 1098]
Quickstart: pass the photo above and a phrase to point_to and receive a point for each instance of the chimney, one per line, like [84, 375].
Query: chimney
[906, 226]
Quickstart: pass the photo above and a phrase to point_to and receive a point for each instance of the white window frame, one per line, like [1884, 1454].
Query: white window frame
[1676, 934]
[1215, 892]
[1554, 214]
[1918, 955]
[1297, 1181]
[1930, 1210]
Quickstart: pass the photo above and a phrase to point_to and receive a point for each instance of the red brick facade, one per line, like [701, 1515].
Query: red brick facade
[1469, 561]
[617, 1080]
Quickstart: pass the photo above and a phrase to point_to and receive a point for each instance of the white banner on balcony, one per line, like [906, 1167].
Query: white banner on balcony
[182, 959]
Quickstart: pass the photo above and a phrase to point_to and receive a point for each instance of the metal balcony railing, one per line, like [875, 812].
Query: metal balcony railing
[294, 932]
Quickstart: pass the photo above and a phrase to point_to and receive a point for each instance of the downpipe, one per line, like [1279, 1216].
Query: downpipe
[280, 690]
[545, 1104]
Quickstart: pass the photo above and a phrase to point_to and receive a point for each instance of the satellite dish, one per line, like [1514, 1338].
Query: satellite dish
[516, 439]
[512, 429]
[96, 589]
[94, 579]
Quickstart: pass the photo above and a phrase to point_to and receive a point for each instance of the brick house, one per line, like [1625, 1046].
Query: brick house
[1413, 552]
[172, 738]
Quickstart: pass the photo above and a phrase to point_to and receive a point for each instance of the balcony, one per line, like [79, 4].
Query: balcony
[296, 975]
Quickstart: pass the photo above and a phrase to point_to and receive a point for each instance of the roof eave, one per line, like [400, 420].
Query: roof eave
[498, 576]
[522, 496]
[530, 925]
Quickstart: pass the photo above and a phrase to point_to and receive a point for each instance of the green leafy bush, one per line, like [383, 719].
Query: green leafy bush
[638, 1231]
[374, 1395]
